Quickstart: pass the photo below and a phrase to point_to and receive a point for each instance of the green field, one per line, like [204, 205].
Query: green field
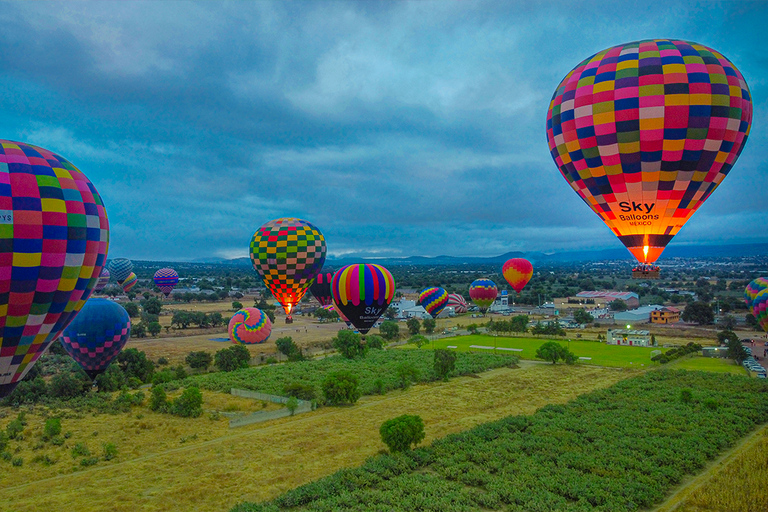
[599, 353]
[707, 364]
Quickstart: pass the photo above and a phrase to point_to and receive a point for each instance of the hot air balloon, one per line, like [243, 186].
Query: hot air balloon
[760, 308]
[102, 281]
[288, 253]
[644, 132]
[321, 288]
[753, 288]
[483, 293]
[457, 302]
[517, 272]
[249, 326]
[121, 268]
[130, 282]
[166, 279]
[362, 292]
[54, 233]
[97, 335]
[342, 316]
[433, 300]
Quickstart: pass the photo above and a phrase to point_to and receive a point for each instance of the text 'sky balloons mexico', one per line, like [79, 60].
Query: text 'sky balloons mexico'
[644, 132]
[760, 308]
[54, 236]
[362, 292]
[249, 326]
[288, 253]
[120, 268]
[166, 279]
[97, 334]
[517, 272]
[433, 300]
[753, 288]
[457, 302]
[483, 293]
[102, 281]
[130, 282]
[321, 288]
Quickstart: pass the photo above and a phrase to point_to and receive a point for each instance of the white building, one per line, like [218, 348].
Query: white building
[630, 338]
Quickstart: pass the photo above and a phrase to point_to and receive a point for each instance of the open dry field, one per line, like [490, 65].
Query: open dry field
[168, 463]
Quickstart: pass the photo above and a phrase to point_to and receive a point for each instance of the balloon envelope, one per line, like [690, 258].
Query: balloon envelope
[97, 335]
[321, 288]
[121, 268]
[753, 288]
[166, 279]
[249, 326]
[288, 253]
[54, 235]
[644, 132]
[433, 300]
[483, 293]
[517, 272]
[102, 281]
[362, 292]
[457, 302]
[760, 308]
[130, 282]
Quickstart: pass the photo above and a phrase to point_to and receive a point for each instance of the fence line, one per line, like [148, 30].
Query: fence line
[258, 417]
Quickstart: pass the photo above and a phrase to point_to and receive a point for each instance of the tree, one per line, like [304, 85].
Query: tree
[519, 323]
[324, 315]
[349, 344]
[418, 340]
[289, 348]
[618, 305]
[292, 404]
[391, 313]
[582, 317]
[158, 400]
[153, 305]
[111, 380]
[134, 363]
[553, 351]
[406, 373]
[728, 323]
[237, 305]
[182, 319]
[341, 388]
[472, 328]
[215, 319]
[139, 330]
[429, 325]
[390, 330]
[445, 362]
[132, 309]
[199, 360]
[414, 326]
[726, 336]
[400, 433]
[736, 350]
[374, 342]
[751, 321]
[698, 312]
[232, 358]
[189, 404]
[154, 328]
[68, 385]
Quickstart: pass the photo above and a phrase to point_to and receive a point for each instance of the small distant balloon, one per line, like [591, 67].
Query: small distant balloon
[433, 300]
[166, 279]
[130, 282]
[321, 288]
[102, 281]
[97, 335]
[120, 268]
[288, 253]
[457, 302]
[517, 272]
[362, 292]
[483, 293]
[249, 326]
[54, 235]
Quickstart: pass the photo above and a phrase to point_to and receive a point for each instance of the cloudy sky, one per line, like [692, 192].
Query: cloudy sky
[398, 128]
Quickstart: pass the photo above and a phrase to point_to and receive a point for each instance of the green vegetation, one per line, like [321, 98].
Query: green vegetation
[287, 346]
[445, 363]
[403, 432]
[554, 352]
[616, 449]
[349, 344]
[232, 358]
[378, 365]
[708, 364]
[200, 359]
[341, 388]
[677, 353]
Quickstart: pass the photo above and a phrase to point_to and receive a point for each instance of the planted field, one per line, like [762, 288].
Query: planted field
[617, 449]
[707, 364]
[600, 354]
[166, 463]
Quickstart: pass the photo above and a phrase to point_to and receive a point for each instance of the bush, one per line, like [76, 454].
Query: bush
[349, 344]
[3, 441]
[134, 363]
[68, 385]
[232, 358]
[189, 404]
[340, 388]
[301, 391]
[199, 360]
[162, 361]
[292, 404]
[52, 428]
[18, 462]
[27, 391]
[374, 342]
[16, 427]
[89, 461]
[80, 450]
[686, 395]
[286, 346]
[406, 373]
[158, 400]
[445, 363]
[553, 351]
[110, 451]
[111, 380]
[400, 433]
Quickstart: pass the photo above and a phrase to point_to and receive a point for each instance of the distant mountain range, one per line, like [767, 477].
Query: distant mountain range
[619, 253]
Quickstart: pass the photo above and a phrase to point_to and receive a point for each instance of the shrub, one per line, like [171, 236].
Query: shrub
[110, 451]
[111, 380]
[340, 388]
[80, 450]
[286, 346]
[134, 363]
[301, 391]
[378, 387]
[374, 342]
[406, 373]
[52, 428]
[400, 433]
[292, 404]
[553, 351]
[89, 461]
[199, 360]
[189, 404]
[162, 361]
[445, 363]
[232, 358]
[68, 385]
[158, 400]
[349, 344]
[686, 395]
[3, 441]
[18, 461]
[14, 428]
[418, 340]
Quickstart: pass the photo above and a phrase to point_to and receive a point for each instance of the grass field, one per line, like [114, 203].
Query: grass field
[707, 364]
[599, 353]
[214, 467]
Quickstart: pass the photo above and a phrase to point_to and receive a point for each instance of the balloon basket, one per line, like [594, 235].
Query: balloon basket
[646, 274]
[288, 320]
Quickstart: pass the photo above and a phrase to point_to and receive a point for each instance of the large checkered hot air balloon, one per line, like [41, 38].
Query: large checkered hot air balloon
[54, 236]
[166, 279]
[97, 335]
[288, 253]
[644, 132]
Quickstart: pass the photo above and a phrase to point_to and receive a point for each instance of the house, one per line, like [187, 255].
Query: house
[665, 315]
[597, 300]
[628, 337]
[640, 315]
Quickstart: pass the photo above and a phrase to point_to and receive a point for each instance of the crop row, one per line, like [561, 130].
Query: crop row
[617, 449]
